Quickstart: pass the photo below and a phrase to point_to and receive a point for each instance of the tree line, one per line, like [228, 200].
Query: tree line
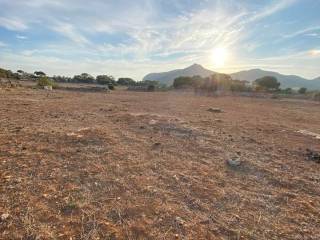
[224, 82]
[211, 84]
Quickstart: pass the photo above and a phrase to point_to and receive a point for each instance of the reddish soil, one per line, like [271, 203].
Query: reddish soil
[130, 165]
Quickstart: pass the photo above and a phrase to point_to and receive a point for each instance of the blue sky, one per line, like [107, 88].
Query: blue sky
[128, 38]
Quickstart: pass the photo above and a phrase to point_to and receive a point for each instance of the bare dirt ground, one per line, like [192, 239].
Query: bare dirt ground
[130, 165]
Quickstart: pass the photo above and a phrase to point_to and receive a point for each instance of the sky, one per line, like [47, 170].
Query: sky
[126, 38]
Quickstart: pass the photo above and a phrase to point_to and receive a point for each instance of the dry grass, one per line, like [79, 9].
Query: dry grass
[129, 165]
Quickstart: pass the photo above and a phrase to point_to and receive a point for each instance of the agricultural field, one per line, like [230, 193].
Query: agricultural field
[155, 165]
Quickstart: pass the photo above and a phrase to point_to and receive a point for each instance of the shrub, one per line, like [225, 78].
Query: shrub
[105, 80]
[287, 91]
[83, 78]
[268, 83]
[316, 96]
[8, 74]
[183, 82]
[126, 82]
[302, 90]
[111, 87]
[151, 88]
[44, 81]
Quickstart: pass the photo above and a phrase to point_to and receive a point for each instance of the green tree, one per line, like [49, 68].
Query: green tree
[239, 86]
[8, 74]
[126, 82]
[183, 82]
[62, 79]
[267, 83]
[39, 73]
[83, 78]
[105, 80]
[302, 90]
[288, 91]
[45, 81]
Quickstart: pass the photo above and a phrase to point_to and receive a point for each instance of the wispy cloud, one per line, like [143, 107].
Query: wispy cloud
[145, 35]
[305, 31]
[2, 44]
[13, 24]
[272, 9]
[21, 37]
[69, 31]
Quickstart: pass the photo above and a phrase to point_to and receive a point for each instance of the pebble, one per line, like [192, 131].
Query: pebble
[5, 216]
[215, 110]
[234, 162]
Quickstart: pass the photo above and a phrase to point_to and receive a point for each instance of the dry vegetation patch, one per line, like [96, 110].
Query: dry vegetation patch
[130, 165]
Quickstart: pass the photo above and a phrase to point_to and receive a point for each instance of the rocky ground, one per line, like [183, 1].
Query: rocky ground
[131, 165]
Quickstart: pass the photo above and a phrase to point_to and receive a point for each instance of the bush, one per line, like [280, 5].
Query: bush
[126, 82]
[183, 82]
[287, 91]
[8, 74]
[105, 80]
[316, 96]
[111, 87]
[44, 81]
[151, 88]
[267, 83]
[302, 90]
[83, 78]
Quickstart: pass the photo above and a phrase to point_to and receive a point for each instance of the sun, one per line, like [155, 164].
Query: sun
[219, 56]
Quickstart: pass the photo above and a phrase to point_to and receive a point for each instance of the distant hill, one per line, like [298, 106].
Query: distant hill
[168, 77]
[286, 81]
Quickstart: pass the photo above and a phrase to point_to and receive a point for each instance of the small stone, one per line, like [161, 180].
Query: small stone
[234, 162]
[206, 221]
[152, 122]
[215, 110]
[156, 145]
[180, 221]
[5, 216]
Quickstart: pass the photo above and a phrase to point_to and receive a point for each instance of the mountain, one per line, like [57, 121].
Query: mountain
[168, 77]
[286, 81]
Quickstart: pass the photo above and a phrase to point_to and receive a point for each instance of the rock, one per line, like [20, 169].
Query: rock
[206, 221]
[153, 122]
[180, 221]
[5, 216]
[234, 162]
[215, 110]
[156, 145]
[312, 155]
[48, 88]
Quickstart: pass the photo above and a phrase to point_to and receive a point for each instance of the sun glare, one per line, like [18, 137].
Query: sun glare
[219, 56]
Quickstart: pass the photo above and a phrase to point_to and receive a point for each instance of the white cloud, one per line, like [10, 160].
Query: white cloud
[315, 52]
[2, 44]
[151, 30]
[305, 31]
[21, 37]
[69, 31]
[13, 24]
[272, 9]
